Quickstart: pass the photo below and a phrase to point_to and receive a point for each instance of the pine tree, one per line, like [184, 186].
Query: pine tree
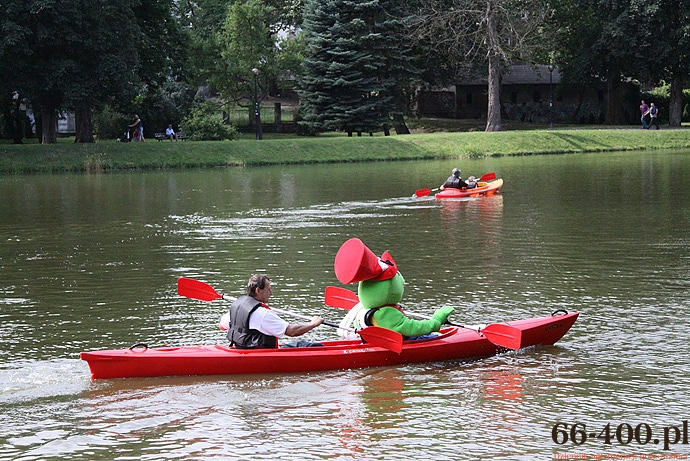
[346, 85]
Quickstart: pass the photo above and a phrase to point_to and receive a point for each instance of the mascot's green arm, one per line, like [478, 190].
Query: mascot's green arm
[393, 319]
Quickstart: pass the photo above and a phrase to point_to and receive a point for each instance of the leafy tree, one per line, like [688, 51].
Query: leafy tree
[79, 54]
[494, 33]
[663, 28]
[598, 44]
[232, 39]
[248, 43]
[611, 43]
[13, 42]
[106, 62]
[205, 123]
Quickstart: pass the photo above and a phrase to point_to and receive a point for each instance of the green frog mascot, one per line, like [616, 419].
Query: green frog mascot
[380, 291]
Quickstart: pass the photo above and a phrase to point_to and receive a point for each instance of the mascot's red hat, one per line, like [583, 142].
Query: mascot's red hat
[354, 262]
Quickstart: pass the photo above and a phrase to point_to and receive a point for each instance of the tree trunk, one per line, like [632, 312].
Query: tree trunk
[399, 124]
[84, 124]
[675, 109]
[49, 124]
[493, 113]
[12, 119]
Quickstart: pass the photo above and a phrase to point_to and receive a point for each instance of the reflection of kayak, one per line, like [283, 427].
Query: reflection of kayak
[483, 188]
[453, 343]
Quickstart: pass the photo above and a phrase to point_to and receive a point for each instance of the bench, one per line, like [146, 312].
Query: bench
[181, 135]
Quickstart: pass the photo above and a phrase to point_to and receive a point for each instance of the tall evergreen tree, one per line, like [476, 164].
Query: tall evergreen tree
[346, 85]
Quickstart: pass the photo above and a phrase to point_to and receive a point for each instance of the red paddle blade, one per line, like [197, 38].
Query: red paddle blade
[382, 337]
[503, 335]
[191, 288]
[530, 332]
[488, 177]
[422, 192]
[341, 298]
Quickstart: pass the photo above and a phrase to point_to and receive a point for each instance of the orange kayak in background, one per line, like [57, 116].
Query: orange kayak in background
[483, 188]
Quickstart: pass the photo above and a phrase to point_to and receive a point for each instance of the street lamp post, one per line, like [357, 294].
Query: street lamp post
[550, 95]
[257, 113]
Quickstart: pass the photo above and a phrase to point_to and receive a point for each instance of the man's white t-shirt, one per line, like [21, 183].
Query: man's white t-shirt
[268, 322]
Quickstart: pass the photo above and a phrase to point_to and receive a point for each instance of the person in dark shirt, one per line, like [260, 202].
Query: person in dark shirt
[454, 181]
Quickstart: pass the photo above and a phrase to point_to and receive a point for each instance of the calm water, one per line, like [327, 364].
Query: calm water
[91, 262]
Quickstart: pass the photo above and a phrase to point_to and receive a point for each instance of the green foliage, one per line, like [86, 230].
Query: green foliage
[164, 106]
[346, 85]
[205, 123]
[109, 123]
[252, 35]
[76, 55]
[247, 44]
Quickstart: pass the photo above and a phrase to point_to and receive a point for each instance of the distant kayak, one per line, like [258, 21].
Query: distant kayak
[483, 188]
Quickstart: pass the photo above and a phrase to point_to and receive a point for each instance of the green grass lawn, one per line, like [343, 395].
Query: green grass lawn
[431, 140]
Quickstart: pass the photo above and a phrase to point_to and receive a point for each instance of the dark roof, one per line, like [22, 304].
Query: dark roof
[519, 74]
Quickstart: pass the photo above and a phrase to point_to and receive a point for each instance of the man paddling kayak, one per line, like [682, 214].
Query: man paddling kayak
[454, 181]
[253, 325]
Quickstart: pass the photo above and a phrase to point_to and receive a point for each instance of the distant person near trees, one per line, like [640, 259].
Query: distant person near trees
[654, 116]
[138, 129]
[170, 133]
[644, 108]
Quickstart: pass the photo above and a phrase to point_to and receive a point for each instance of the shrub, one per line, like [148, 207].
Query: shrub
[205, 123]
[110, 124]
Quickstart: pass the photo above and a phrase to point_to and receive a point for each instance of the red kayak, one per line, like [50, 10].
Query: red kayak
[483, 188]
[452, 343]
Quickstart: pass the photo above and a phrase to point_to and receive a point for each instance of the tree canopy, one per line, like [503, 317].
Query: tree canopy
[79, 54]
[358, 62]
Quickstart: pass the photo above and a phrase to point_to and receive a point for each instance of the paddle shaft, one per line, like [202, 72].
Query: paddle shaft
[382, 337]
[291, 314]
[280, 311]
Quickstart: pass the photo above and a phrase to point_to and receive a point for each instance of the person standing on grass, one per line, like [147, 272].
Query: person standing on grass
[138, 129]
[644, 108]
[654, 115]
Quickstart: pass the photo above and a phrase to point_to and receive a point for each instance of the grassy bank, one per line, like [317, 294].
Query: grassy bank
[110, 155]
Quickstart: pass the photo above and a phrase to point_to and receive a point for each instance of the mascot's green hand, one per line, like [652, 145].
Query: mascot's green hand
[443, 313]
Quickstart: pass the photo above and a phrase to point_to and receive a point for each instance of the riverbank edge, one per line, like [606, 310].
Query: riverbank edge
[115, 156]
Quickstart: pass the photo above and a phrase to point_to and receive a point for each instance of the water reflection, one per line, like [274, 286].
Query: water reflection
[92, 262]
[502, 385]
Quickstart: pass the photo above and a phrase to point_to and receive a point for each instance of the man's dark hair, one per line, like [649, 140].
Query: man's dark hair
[256, 281]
